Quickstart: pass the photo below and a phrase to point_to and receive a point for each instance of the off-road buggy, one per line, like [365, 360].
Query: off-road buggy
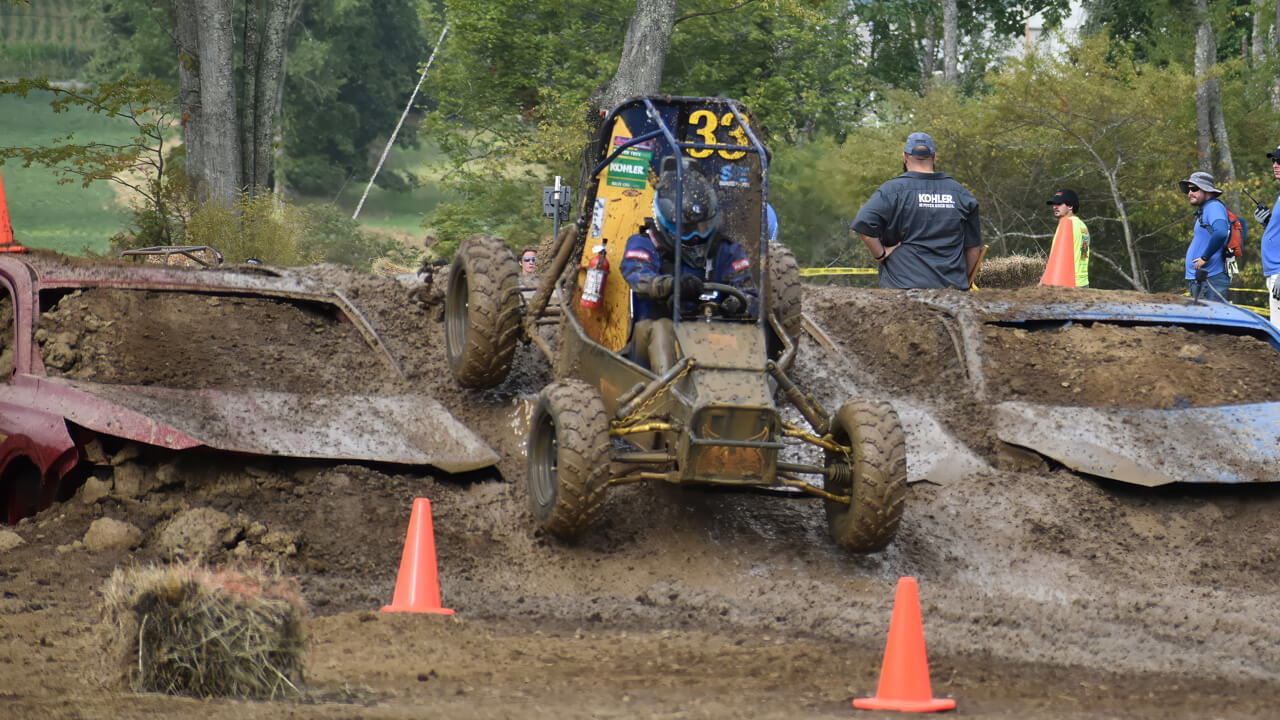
[711, 419]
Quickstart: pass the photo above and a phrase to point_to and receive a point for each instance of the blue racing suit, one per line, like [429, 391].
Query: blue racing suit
[643, 262]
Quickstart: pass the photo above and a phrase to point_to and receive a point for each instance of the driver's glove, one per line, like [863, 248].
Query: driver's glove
[690, 286]
[1262, 215]
[655, 288]
[732, 305]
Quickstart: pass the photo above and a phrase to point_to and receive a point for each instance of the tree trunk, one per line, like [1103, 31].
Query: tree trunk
[1261, 27]
[926, 61]
[1211, 126]
[644, 52]
[1220, 131]
[216, 58]
[1205, 54]
[252, 33]
[927, 31]
[266, 26]
[950, 42]
[1275, 46]
[187, 37]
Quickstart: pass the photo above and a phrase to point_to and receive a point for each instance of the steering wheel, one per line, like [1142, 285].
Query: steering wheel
[725, 292]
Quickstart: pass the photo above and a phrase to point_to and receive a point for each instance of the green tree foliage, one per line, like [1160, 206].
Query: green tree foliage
[351, 67]
[1095, 119]
[795, 66]
[139, 41]
[350, 73]
[516, 80]
[142, 164]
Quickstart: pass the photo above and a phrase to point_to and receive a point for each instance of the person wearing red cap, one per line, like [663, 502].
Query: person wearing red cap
[1069, 256]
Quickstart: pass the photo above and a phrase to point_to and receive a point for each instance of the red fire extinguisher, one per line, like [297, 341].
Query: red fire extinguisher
[597, 273]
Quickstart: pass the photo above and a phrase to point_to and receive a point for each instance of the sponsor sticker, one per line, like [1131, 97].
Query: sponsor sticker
[597, 218]
[741, 265]
[637, 255]
[734, 176]
[631, 168]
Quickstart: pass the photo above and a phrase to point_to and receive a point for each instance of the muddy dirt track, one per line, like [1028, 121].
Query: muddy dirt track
[1044, 594]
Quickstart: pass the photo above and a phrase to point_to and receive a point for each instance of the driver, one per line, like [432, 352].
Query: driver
[648, 264]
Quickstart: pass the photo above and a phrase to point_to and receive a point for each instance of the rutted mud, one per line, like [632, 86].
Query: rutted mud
[1044, 594]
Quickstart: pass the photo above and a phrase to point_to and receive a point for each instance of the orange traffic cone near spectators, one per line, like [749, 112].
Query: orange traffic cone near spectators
[1061, 268]
[417, 587]
[7, 243]
[904, 675]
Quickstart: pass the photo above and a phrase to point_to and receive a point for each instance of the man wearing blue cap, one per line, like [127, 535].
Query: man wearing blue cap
[922, 226]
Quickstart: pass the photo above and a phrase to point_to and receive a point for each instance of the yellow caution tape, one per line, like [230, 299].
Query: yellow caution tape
[811, 272]
[819, 271]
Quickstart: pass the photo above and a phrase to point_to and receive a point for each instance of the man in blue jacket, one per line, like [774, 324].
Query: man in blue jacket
[648, 263]
[1271, 244]
[1206, 272]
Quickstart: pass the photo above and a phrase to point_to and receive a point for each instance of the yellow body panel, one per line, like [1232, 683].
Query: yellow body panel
[622, 203]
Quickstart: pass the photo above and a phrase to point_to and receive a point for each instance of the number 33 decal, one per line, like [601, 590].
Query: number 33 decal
[705, 124]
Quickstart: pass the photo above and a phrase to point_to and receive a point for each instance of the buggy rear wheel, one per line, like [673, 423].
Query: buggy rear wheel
[568, 452]
[785, 292]
[482, 312]
[874, 476]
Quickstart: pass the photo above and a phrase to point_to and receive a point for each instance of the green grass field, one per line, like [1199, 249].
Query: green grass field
[67, 218]
[398, 213]
[72, 219]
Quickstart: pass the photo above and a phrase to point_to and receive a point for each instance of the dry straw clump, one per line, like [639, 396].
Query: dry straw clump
[192, 630]
[1010, 272]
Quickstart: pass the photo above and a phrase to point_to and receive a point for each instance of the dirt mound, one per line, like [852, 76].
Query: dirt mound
[1105, 365]
[189, 341]
[911, 345]
[1044, 594]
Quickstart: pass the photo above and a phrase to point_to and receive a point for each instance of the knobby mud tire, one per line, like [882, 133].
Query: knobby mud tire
[482, 312]
[568, 451]
[876, 477]
[785, 291]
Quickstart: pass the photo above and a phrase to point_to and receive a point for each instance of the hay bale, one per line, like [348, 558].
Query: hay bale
[1010, 272]
[192, 630]
[385, 267]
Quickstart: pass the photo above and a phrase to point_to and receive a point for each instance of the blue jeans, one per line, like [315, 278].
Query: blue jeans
[1214, 288]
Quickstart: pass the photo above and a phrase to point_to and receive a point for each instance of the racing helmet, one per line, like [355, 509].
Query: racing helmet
[700, 214]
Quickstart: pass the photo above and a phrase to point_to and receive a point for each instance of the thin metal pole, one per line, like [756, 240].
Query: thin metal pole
[400, 124]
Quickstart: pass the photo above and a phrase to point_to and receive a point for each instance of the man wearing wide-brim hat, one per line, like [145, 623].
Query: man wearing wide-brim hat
[1271, 244]
[1206, 273]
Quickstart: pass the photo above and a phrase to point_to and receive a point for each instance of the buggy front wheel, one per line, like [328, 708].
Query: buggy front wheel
[873, 475]
[568, 453]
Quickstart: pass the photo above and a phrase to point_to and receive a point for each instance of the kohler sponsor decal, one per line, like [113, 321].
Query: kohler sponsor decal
[935, 200]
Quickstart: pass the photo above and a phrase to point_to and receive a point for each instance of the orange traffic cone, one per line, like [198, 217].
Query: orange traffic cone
[1061, 269]
[7, 243]
[904, 675]
[417, 587]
